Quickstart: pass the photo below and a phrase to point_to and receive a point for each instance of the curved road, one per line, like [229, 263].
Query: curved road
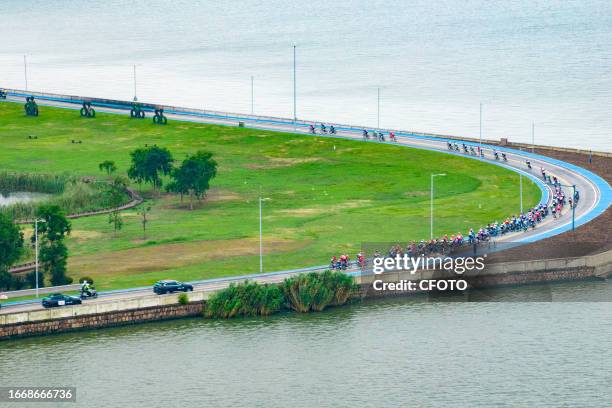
[595, 193]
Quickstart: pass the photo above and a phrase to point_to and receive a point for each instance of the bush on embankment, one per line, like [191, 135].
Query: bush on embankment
[245, 299]
[315, 291]
[304, 293]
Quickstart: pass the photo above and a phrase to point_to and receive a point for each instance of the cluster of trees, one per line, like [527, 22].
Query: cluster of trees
[53, 227]
[192, 177]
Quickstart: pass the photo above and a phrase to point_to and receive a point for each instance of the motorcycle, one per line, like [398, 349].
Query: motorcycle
[91, 293]
[332, 130]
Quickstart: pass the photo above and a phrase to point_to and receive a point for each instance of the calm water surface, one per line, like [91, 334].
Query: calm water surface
[549, 62]
[7, 199]
[403, 352]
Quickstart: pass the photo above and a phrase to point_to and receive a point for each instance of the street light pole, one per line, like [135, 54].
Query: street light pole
[294, 87]
[25, 71]
[252, 93]
[378, 110]
[135, 97]
[521, 189]
[36, 221]
[532, 137]
[431, 217]
[480, 140]
[260, 238]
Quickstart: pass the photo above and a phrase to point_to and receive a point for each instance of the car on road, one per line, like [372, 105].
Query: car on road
[168, 286]
[59, 299]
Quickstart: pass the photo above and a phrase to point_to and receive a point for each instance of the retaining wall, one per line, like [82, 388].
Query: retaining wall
[153, 307]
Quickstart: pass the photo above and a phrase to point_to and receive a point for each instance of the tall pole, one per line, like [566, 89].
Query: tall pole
[36, 245]
[25, 71]
[521, 189]
[532, 137]
[574, 208]
[260, 238]
[252, 94]
[294, 87]
[431, 209]
[480, 140]
[135, 97]
[378, 110]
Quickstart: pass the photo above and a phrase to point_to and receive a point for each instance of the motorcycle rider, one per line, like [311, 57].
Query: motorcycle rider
[312, 129]
[86, 288]
[332, 130]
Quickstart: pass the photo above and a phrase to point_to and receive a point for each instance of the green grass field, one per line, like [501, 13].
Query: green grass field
[326, 196]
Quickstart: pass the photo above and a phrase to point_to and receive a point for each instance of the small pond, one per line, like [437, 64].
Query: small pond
[7, 199]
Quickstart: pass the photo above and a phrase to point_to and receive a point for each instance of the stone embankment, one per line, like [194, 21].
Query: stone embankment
[152, 307]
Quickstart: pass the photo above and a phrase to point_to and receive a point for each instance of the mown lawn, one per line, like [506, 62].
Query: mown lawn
[325, 196]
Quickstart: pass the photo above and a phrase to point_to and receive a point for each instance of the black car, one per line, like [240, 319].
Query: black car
[169, 286]
[58, 299]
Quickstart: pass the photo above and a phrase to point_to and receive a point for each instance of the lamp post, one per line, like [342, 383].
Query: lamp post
[294, 87]
[431, 218]
[521, 190]
[135, 97]
[480, 140]
[36, 221]
[252, 95]
[573, 186]
[378, 109]
[25, 71]
[532, 137]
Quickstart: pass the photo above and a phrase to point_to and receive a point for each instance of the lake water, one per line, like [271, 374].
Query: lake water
[546, 62]
[7, 199]
[403, 352]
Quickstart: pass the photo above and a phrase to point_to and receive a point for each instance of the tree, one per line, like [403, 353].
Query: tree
[144, 211]
[116, 195]
[53, 251]
[149, 164]
[108, 166]
[11, 242]
[11, 249]
[194, 175]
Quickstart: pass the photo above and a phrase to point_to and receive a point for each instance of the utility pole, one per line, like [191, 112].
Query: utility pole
[532, 137]
[135, 97]
[480, 142]
[378, 110]
[294, 87]
[431, 206]
[36, 221]
[252, 103]
[521, 190]
[25, 71]
[260, 236]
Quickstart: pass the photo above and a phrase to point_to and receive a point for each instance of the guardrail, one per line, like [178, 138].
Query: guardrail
[45, 290]
[119, 104]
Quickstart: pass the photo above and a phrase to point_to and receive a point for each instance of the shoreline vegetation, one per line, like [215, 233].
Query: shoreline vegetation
[72, 194]
[303, 293]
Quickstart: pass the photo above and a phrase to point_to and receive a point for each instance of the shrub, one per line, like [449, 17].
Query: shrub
[183, 299]
[245, 299]
[86, 278]
[315, 291]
